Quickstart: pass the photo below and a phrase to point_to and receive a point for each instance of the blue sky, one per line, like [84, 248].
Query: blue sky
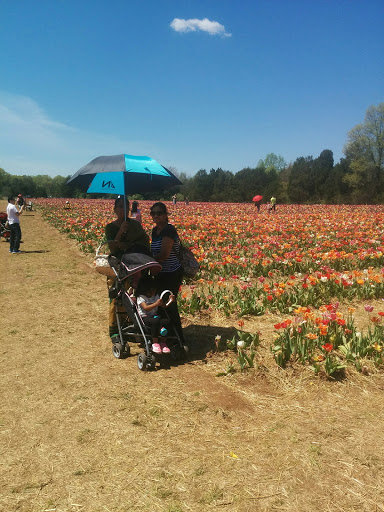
[193, 84]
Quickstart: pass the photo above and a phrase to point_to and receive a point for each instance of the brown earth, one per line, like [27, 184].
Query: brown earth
[83, 431]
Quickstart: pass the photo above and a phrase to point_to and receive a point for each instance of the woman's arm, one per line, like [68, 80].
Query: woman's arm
[115, 243]
[166, 248]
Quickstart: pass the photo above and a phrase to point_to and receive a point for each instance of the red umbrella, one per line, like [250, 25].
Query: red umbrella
[257, 198]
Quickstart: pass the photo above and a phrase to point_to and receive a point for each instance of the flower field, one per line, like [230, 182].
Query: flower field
[305, 263]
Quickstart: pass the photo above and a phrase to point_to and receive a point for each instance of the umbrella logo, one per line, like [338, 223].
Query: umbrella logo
[108, 184]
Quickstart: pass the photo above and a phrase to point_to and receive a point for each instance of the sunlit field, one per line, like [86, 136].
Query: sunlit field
[307, 263]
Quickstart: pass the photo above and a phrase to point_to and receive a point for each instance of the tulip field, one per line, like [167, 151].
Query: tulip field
[314, 265]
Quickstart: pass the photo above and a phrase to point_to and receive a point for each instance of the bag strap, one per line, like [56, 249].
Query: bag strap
[179, 248]
[101, 245]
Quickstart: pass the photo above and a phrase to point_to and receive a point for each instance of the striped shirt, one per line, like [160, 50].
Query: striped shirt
[172, 262]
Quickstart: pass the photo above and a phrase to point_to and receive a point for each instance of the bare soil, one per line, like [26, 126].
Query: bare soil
[83, 431]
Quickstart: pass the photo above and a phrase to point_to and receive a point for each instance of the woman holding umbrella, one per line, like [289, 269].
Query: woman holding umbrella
[126, 234]
[257, 201]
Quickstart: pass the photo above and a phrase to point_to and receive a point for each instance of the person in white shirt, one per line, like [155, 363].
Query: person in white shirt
[13, 214]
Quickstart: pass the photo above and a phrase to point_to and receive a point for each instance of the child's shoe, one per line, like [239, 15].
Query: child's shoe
[164, 348]
[156, 348]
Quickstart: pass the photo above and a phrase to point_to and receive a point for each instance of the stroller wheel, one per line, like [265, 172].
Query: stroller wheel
[142, 361]
[120, 351]
[151, 362]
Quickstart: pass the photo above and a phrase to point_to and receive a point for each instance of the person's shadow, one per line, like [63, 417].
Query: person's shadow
[201, 339]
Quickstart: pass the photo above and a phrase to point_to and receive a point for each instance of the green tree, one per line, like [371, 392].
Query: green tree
[202, 186]
[365, 152]
[337, 191]
[321, 168]
[300, 184]
[5, 190]
[272, 162]
[222, 185]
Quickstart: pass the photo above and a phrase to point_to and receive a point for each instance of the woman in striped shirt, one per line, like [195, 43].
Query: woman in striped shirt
[165, 247]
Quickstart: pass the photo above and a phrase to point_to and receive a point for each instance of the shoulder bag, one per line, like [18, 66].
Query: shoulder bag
[188, 262]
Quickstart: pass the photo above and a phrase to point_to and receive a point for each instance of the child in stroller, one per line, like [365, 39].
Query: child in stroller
[148, 304]
[131, 326]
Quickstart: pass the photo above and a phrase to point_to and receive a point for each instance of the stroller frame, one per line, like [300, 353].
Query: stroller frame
[130, 325]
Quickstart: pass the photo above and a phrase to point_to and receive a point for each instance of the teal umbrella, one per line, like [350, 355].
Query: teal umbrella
[123, 175]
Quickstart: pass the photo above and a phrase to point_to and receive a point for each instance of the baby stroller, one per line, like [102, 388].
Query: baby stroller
[131, 327]
[4, 229]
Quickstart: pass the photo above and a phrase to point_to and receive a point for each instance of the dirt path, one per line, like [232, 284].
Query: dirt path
[83, 431]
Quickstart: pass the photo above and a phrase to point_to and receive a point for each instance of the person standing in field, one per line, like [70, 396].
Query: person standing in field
[20, 200]
[273, 203]
[135, 212]
[13, 214]
[165, 246]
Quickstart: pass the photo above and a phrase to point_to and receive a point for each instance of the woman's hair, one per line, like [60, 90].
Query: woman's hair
[135, 205]
[121, 199]
[161, 207]
[146, 284]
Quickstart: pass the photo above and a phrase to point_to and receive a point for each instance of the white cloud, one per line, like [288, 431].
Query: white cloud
[193, 25]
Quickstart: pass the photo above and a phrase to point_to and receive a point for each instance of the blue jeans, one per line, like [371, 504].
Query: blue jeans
[15, 237]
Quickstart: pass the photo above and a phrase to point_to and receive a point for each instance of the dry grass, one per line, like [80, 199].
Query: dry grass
[82, 431]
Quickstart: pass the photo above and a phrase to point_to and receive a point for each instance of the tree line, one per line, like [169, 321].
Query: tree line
[357, 178]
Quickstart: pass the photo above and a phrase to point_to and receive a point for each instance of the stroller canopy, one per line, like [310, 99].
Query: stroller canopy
[135, 262]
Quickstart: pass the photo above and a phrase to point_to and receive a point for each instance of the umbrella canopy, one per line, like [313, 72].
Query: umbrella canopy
[257, 198]
[124, 175]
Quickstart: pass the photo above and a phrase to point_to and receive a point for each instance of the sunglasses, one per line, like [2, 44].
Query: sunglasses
[157, 214]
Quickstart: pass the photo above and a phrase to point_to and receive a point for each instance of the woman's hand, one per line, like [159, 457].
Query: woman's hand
[123, 228]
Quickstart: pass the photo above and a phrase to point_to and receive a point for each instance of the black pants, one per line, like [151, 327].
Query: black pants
[15, 237]
[155, 323]
[171, 281]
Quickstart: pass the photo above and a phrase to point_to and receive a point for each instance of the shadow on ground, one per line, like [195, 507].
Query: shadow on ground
[201, 338]
[33, 252]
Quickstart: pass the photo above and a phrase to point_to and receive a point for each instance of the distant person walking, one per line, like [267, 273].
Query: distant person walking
[13, 214]
[257, 200]
[273, 203]
[174, 199]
